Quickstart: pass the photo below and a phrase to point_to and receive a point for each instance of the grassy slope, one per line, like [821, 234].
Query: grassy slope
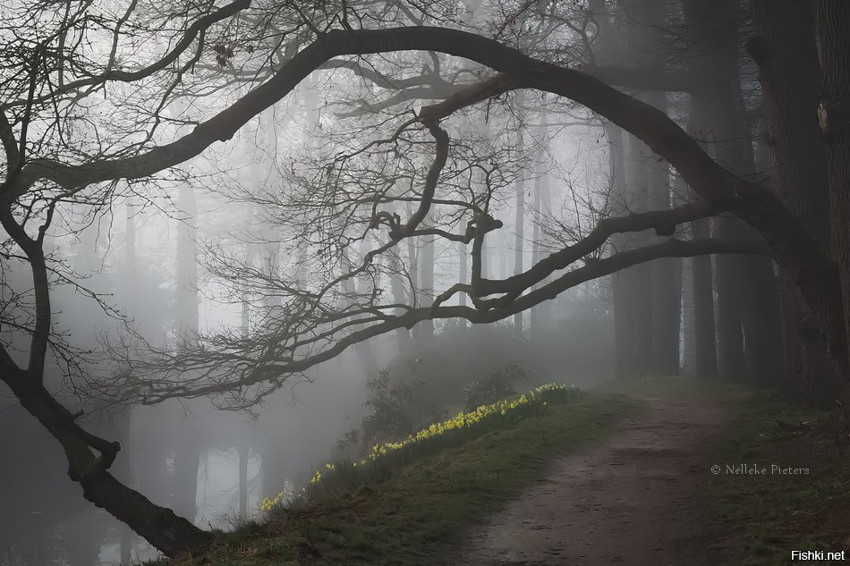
[411, 517]
[767, 516]
[405, 519]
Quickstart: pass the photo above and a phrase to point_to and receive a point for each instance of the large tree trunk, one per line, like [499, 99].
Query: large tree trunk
[834, 118]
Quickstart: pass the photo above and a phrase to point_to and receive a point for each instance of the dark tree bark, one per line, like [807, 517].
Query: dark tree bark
[785, 50]
[834, 118]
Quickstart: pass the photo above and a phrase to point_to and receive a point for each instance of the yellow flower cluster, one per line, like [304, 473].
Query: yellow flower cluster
[461, 421]
[267, 504]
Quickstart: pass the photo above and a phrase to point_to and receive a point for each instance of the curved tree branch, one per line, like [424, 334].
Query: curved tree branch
[268, 372]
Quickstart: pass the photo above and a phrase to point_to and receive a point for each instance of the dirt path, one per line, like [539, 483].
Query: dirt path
[631, 500]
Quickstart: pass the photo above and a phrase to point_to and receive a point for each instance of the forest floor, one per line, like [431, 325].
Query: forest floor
[633, 499]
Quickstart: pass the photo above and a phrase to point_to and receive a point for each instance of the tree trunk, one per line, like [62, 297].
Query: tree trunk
[834, 118]
[519, 220]
[540, 317]
[404, 341]
[463, 273]
[426, 327]
[187, 450]
[621, 280]
[187, 459]
[688, 331]
[705, 339]
[747, 290]
[638, 279]
[243, 481]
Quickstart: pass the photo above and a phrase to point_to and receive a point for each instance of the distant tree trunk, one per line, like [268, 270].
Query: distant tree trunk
[426, 264]
[186, 299]
[688, 331]
[747, 309]
[125, 419]
[731, 364]
[534, 312]
[519, 220]
[705, 339]
[499, 241]
[463, 275]
[243, 480]
[666, 273]
[363, 350]
[187, 451]
[624, 338]
[412, 261]
[187, 457]
[684, 305]
[540, 317]
[639, 278]
[623, 282]
[405, 343]
[650, 304]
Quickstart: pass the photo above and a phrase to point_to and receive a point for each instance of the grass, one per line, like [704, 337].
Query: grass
[675, 387]
[807, 508]
[413, 513]
[765, 516]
